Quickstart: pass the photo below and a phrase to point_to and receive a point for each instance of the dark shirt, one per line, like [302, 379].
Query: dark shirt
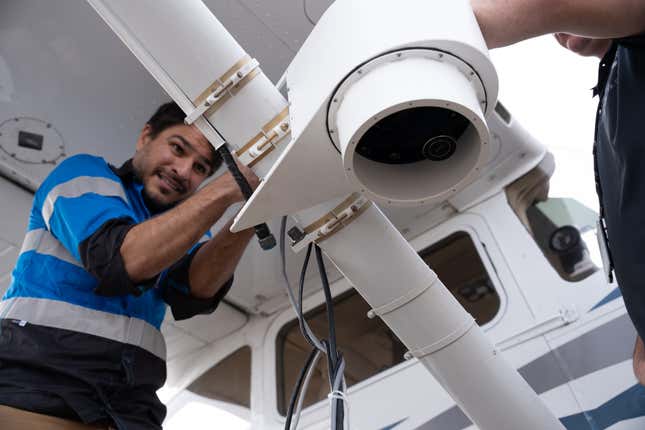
[619, 154]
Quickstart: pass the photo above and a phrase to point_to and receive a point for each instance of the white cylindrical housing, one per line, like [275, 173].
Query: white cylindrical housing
[411, 127]
[187, 50]
[389, 274]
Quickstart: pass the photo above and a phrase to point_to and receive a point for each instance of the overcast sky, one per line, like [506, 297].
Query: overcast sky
[547, 89]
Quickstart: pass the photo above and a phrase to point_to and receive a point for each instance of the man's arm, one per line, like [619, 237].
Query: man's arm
[215, 262]
[504, 22]
[156, 244]
[639, 360]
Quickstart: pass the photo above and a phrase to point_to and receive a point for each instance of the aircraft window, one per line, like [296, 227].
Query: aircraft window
[228, 381]
[457, 263]
[368, 345]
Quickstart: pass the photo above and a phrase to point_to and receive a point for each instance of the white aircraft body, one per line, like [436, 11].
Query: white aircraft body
[523, 263]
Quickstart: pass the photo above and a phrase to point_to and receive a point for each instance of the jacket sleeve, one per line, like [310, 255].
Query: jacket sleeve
[84, 205]
[101, 256]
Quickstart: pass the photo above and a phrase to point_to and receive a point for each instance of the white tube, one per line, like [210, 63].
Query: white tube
[186, 49]
[426, 79]
[385, 269]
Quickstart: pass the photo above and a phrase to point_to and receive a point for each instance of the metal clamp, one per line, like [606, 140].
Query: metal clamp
[245, 69]
[333, 221]
[265, 141]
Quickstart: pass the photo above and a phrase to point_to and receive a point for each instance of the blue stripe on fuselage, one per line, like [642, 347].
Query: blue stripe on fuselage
[627, 405]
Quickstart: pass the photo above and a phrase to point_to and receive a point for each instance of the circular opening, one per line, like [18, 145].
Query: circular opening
[412, 135]
[439, 148]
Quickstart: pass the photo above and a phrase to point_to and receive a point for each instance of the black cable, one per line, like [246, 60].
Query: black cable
[329, 305]
[298, 387]
[266, 239]
[333, 347]
[301, 287]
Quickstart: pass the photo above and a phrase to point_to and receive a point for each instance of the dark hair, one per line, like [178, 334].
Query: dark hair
[170, 114]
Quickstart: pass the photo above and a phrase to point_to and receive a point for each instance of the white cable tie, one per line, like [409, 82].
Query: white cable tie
[443, 342]
[337, 395]
[340, 395]
[399, 301]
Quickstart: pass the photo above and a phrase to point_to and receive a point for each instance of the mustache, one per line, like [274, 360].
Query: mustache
[176, 180]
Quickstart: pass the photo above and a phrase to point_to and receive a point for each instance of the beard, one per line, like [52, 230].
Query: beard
[155, 205]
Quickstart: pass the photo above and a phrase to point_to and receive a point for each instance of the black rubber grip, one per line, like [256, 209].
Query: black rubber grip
[266, 239]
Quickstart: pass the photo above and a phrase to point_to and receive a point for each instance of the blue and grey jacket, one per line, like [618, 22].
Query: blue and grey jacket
[79, 339]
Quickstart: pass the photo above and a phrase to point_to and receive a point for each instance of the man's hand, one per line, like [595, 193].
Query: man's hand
[226, 183]
[585, 46]
[155, 244]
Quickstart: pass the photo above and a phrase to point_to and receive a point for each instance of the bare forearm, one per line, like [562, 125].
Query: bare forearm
[639, 360]
[504, 22]
[215, 262]
[153, 245]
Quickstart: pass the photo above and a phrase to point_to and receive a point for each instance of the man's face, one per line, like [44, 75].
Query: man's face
[173, 164]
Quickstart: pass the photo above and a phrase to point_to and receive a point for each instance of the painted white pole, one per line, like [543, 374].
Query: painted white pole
[419, 309]
[187, 50]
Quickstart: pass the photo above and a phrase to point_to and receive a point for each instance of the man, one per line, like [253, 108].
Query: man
[614, 31]
[106, 249]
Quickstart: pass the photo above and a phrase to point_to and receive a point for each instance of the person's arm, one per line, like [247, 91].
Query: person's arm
[639, 360]
[199, 281]
[152, 246]
[504, 22]
[214, 263]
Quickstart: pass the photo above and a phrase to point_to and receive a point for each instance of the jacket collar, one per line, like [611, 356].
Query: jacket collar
[128, 176]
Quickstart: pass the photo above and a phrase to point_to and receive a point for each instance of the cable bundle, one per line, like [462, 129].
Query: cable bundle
[335, 360]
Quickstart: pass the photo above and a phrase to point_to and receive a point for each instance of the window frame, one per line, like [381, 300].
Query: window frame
[243, 348]
[434, 237]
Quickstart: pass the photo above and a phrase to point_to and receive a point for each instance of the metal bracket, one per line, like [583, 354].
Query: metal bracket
[265, 141]
[333, 221]
[243, 71]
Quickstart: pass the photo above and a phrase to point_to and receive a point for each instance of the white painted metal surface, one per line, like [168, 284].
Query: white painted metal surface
[408, 80]
[342, 42]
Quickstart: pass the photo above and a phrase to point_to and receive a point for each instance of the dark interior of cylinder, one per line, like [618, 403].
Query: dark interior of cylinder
[412, 135]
